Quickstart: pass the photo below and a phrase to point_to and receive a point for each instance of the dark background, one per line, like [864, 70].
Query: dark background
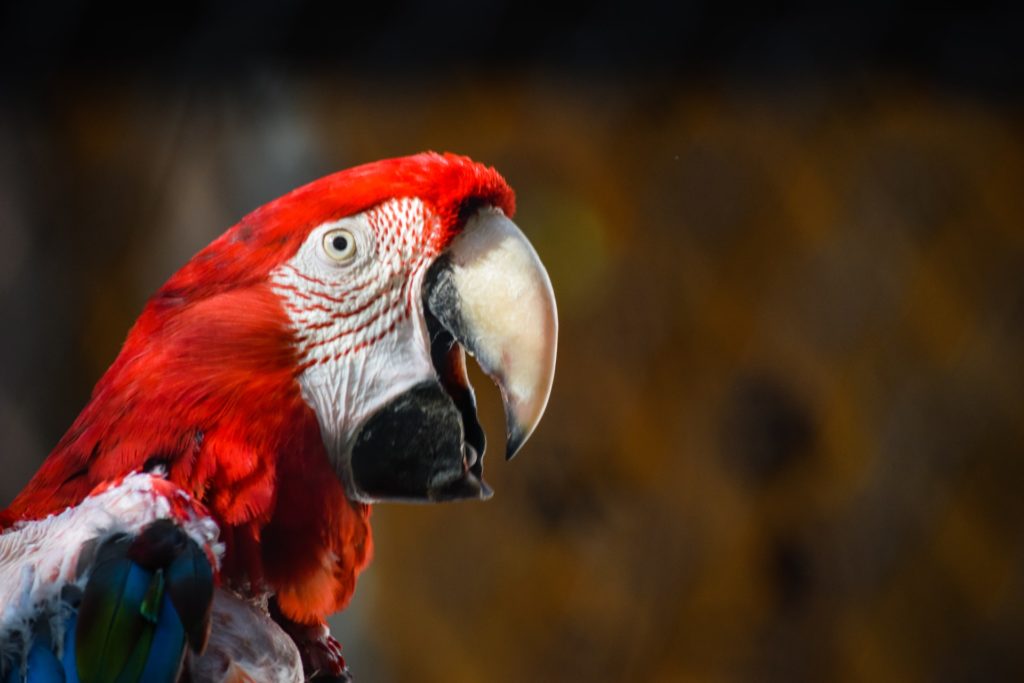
[785, 440]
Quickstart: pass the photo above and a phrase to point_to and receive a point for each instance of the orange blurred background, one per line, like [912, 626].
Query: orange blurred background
[785, 439]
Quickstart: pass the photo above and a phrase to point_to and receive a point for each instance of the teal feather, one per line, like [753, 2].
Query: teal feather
[150, 607]
[107, 642]
[114, 633]
[159, 649]
[146, 598]
[99, 606]
[168, 651]
[190, 587]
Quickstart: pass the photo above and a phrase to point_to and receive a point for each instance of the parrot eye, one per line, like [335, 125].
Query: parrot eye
[339, 245]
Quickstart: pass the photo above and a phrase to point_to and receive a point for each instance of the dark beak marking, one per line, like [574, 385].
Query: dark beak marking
[449, 362]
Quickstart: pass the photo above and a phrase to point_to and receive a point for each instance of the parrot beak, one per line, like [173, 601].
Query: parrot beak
[491, 294]
[487, 295]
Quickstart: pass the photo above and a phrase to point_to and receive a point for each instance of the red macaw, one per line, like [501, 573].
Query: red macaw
[306, 364]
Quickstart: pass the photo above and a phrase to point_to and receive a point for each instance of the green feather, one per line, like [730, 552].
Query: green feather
[150, 607]
[132, 672]
[113, 634]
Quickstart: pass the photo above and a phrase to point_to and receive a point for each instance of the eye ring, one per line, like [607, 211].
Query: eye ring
[339, 245]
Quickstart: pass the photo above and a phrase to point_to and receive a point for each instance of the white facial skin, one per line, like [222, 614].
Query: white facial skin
[352, 292]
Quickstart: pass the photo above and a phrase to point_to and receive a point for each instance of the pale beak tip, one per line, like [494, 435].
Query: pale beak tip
[516, 438]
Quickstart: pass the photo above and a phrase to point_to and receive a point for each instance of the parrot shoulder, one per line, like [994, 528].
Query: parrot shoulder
[136, 545]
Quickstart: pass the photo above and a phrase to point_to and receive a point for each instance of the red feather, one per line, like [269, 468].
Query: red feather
[206, 385]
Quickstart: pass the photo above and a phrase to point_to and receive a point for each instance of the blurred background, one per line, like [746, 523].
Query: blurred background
[785, 440]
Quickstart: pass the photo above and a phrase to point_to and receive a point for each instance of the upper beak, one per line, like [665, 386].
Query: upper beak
[488, 295]
[490, 291]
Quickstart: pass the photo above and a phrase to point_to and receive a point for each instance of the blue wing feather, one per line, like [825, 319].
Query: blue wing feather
[168, 649]
[70, 664]
[138, 593]
[42, 665]
[127, 628]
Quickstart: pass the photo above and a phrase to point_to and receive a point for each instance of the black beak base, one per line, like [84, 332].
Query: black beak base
[414, 449]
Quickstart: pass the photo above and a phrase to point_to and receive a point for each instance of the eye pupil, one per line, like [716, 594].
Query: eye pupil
[339, 245]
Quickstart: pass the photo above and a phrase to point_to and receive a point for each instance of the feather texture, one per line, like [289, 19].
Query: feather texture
[205, 389]
[95, 602]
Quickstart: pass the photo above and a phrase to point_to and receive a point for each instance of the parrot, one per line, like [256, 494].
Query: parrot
[210, 506]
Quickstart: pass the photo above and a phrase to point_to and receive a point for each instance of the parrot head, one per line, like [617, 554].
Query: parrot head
[389, 274]
[312, 360]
